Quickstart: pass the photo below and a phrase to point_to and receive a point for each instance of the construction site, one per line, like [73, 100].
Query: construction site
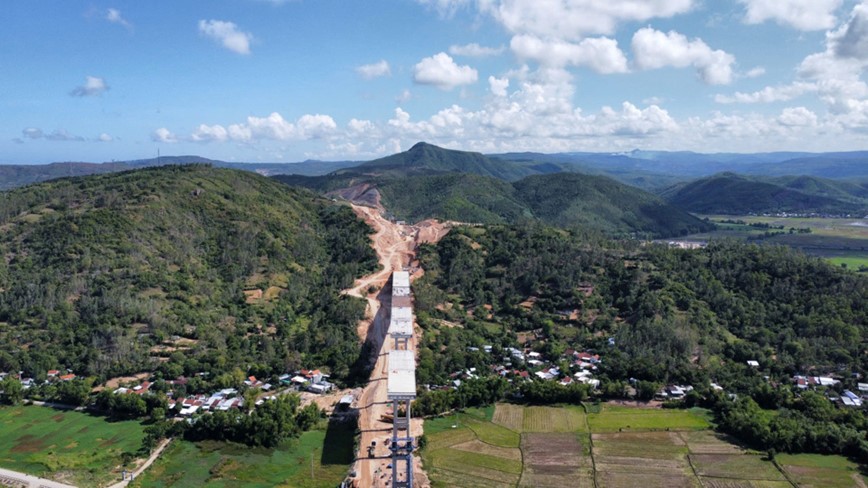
[389, 432]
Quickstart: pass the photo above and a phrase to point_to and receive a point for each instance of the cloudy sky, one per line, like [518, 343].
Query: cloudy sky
[288, 80]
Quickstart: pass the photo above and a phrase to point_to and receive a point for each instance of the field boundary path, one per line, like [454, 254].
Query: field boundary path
[395, 246]
[148, 462]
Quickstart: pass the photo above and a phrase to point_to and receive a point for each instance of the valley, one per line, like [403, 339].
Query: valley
[842, 241]
[434, 244]
[544, 317]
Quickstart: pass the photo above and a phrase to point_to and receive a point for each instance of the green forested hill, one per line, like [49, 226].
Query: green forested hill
[453, 196]
[732, 194]
[428, 181]
[100, 269]
[812, 185]
[425, 158]
[656, 316]
[572, 199]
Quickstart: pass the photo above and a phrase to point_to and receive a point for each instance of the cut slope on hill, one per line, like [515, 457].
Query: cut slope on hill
[101, 269]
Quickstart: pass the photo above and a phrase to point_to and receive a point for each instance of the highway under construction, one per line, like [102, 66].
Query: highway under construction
[401, 381]
[389, 330]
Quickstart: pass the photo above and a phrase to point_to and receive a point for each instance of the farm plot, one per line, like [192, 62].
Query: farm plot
[553, 419]
[722, 483]
[816, 471]
[468, 450]
[71, 447]
[491, 433]
[509, 416]
[735, 467]
[710, 442]
[614, 418]
[645, 445]
[554, 460]
[550, 446]
[657, 458]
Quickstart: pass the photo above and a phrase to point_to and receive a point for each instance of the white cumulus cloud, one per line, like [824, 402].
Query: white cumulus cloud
[315, 126]
[755, 72]
[441, 71]
[805, 15]
[599, 54]
[576, 19]
[92, 86]
[227, 34]
[207, 133]
[498, 86]
[654, 49]
[114, 16]
[797, 117]
[474, 50]
[273, 127]
[32, 133]
[164, 135]
[374, 70]
[769, 94]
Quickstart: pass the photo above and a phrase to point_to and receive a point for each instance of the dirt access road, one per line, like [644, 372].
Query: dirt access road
[395, 246]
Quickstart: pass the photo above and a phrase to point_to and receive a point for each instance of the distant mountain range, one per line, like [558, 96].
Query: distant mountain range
[645, 169]
[16, 175]
[835, 183]
[658, 165]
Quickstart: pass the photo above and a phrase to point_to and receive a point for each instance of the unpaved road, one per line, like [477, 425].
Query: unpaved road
[14, 478]
[148, 462]
[395, 246]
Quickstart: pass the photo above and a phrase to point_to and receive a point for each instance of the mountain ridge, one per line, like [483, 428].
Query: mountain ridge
[733, 194]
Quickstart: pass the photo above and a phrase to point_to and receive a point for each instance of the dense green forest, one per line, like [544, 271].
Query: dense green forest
[673, 316]
[103, 273]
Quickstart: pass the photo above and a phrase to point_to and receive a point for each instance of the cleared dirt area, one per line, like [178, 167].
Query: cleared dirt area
[115, 383]
[554, 460]
[395, 246]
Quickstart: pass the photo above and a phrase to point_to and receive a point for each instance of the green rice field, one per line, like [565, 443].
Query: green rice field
[319, 458]
[71, 447]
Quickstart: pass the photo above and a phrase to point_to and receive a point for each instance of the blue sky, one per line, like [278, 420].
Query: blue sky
[270, 80]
